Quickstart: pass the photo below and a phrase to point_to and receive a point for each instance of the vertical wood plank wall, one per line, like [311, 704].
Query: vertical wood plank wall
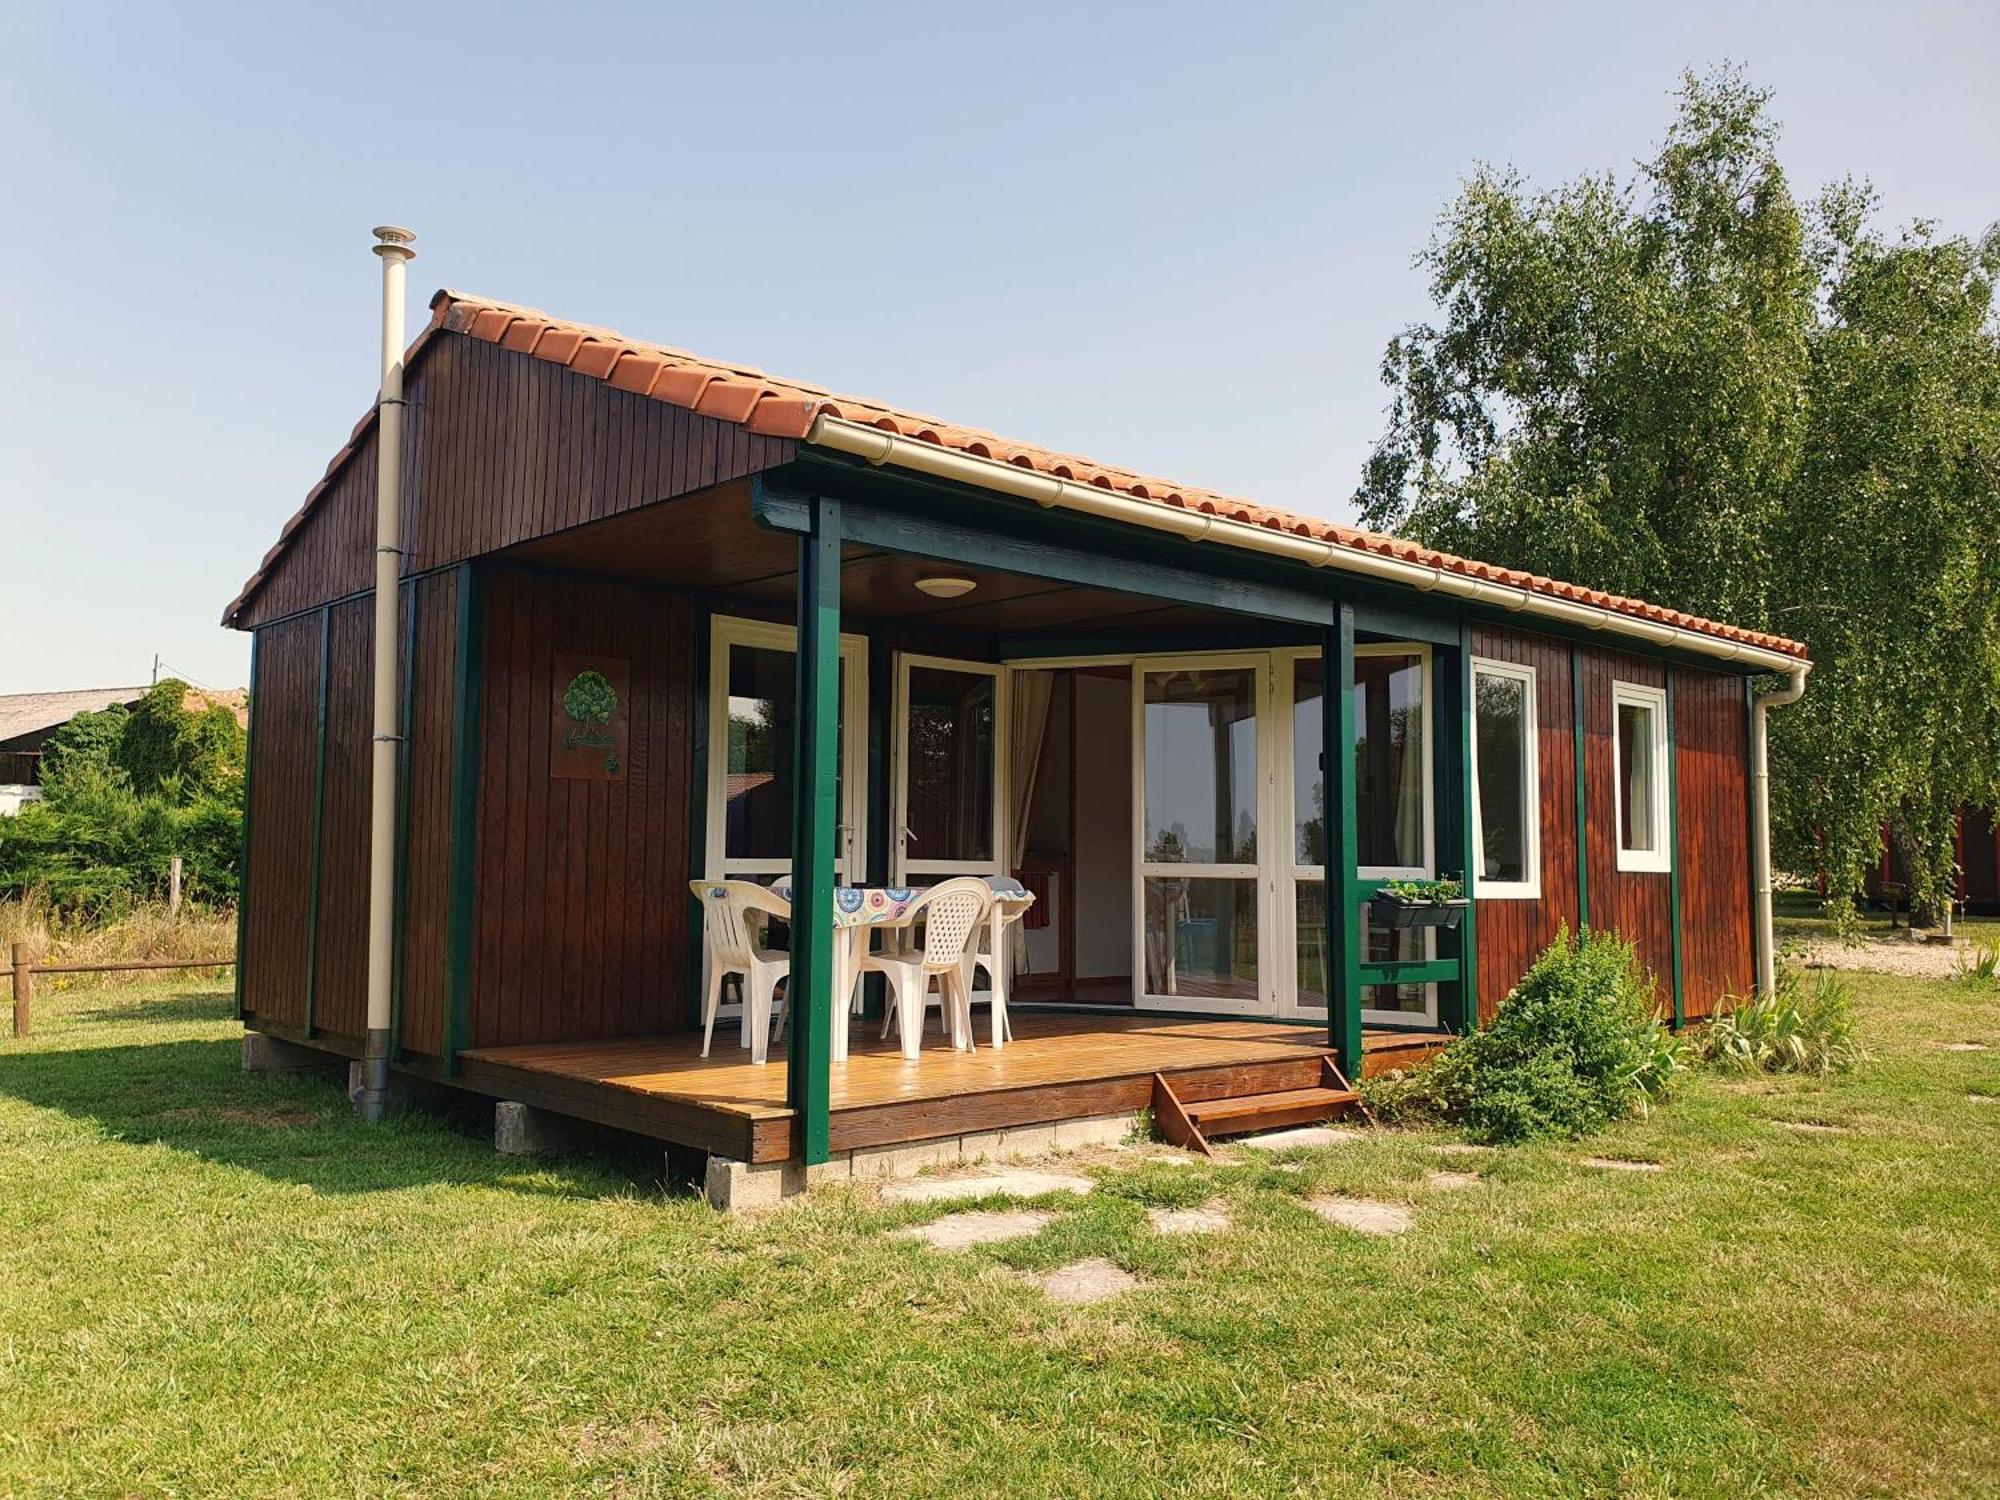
[1636, 904]
[1712, 758]
[581, 891]
[278, 947]
[427, 864]
[1712, 752]
[281, 807]
[1512, 932]
[341, 996]
[499, 448]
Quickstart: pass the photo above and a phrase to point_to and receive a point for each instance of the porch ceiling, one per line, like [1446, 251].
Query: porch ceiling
[709, 542]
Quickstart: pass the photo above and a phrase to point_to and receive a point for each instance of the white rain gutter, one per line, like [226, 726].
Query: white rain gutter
[1050, 492]
[372, 1093]
[879, 447]
[1760, 823]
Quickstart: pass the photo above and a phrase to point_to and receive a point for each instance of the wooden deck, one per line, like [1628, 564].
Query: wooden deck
[1056, 1068]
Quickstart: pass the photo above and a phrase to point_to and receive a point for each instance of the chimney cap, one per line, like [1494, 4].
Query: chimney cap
[395, 240]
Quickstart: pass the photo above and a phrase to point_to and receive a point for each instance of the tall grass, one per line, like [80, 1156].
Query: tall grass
[1802, 1026]
[148, 932]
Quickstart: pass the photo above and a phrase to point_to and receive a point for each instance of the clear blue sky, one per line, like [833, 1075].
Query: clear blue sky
[1171, 237]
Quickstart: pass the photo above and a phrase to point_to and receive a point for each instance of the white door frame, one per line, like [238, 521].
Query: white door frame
[902, 868]
[1258, 874]
[726, 631]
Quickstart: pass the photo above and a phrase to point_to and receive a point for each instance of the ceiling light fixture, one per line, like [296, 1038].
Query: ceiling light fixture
[946, 588]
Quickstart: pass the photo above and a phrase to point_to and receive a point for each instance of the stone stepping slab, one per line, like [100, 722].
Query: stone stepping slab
[1453, 1181]
[1307, 1135]
[1012, 1184]
[1621, 1164]
[1086, 1281]
[1210, 1218]
[963, 1231]
[1364, 1215]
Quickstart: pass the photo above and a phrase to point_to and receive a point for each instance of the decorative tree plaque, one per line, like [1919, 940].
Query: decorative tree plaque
[588, 740]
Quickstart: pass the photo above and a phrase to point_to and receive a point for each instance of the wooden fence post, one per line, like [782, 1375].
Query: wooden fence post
[24, 987]
[174, 886]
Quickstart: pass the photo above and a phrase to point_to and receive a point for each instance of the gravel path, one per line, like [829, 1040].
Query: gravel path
[1886, 956]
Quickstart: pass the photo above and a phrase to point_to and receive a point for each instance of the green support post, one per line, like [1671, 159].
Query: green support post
[319, 819]
[465, 736]
[1468, 927]
[1674, 850]
[697, 860]
[815, 817]
[1577, 763]
[1343, 937]
[249, 770]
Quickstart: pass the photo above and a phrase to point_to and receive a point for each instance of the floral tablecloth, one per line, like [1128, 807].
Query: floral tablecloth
[879, 905]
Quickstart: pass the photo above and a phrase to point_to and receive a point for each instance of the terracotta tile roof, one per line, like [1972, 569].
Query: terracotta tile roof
[787, 408]
[24, 713]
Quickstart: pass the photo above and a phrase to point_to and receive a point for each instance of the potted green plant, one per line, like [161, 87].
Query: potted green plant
[1419, 903]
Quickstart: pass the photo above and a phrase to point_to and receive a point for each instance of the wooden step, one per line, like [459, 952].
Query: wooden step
[1247, 1112]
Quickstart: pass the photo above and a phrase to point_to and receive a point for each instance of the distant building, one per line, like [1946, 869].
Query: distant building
[28, 719]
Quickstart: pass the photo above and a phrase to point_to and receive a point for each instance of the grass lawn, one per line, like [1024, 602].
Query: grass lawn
[219, 1284]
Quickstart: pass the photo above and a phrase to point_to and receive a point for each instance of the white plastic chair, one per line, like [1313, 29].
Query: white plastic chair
[990, 950]
[950, 912]
[733, 948]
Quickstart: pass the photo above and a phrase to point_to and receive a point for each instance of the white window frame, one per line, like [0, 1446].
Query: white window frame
[1529, 889]
[903, 868]
[726, 631]
[1654, 700]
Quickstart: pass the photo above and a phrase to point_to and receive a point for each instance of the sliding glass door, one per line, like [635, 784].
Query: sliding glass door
[1201, 798]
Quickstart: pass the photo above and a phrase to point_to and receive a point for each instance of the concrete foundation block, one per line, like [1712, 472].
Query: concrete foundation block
[270, 1054]
[1007, 1145]
[733, 1186]
[523, 1130]
[403, 1092]
[906, 1159]
[1104, 1130]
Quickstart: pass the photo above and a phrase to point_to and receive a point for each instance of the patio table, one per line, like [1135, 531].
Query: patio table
[857, 909]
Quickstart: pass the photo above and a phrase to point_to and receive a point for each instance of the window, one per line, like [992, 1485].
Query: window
[1391, 762]
[1639, 785]
[1507, 809]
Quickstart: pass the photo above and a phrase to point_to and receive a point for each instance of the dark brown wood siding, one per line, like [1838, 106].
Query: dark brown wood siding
[340, 1004]
[1512, 932]
[1712, 757]
[581, 896]
[1638, 905]
[431, 606]
[501, 448]
[1712, 830]
[278, 902]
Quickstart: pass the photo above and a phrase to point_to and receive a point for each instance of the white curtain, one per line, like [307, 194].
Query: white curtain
[1027, 723]
[1410, 776]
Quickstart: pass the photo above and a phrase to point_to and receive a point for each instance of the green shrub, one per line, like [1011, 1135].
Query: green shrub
[1574, 1047]
[1800, 1027]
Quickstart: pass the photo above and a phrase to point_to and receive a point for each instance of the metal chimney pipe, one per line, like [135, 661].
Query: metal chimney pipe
[371, 1095]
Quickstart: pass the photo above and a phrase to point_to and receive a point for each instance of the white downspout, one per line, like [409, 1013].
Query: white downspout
[1760, 831]
[371, 1096]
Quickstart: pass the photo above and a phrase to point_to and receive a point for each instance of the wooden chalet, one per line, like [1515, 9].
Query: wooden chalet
[851, 641]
